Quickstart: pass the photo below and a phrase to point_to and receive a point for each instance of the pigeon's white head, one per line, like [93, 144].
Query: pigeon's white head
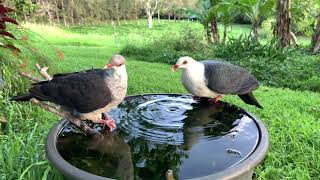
[184, 63]
[117, 62]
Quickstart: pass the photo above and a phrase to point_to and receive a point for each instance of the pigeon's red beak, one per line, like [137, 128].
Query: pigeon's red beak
[108, 66]
[174, 68]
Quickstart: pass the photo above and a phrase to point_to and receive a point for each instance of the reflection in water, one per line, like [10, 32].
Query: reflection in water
[106, 155]
[161, 132]
[206, 121]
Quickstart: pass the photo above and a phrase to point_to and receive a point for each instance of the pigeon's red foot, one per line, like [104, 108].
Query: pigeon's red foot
[108, 122]
[215, 100]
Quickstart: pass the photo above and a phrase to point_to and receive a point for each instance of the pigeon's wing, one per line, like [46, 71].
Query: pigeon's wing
[226, 78]
[83, 92]
[67, 74]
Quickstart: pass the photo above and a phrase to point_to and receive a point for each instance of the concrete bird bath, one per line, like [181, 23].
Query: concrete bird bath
[158, 132]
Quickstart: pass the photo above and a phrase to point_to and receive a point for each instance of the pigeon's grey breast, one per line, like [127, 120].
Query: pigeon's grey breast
[227, 78]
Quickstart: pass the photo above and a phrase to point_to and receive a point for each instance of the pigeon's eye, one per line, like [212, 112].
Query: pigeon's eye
[185, 62]
[120, 65]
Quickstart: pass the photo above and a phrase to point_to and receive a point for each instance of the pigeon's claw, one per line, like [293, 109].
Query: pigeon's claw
[110, 123]
[215, 100]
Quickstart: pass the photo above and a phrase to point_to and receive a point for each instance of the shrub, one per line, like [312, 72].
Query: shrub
[13, 41]
[288, 67]
[244, 47]
[6, 36]
[168, 48]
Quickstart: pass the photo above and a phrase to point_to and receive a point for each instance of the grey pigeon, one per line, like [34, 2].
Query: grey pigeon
[214, 79]
[87, 94]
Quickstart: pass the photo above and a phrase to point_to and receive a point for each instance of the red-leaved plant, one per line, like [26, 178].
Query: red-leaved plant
[6, 36]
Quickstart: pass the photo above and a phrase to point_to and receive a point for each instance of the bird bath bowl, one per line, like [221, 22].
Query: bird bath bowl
[161, 132]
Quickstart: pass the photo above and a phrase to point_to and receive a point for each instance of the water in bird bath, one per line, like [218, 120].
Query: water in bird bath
[160, 132]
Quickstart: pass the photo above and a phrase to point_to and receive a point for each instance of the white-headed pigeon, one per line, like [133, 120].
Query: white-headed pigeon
[214, 79]
[86, 94]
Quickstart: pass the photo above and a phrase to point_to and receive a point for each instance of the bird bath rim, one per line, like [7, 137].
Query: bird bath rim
[242, 170]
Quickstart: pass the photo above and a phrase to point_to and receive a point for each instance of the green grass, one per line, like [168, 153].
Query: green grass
[292, 117]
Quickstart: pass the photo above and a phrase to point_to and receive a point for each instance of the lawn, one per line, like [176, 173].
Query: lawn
[292, 117]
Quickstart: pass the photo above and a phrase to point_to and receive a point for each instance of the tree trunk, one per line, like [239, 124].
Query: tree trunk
[25, 16]
[49, 17]
[64, 16]
[315, 42]
[72, 18]
[214, 30]
[65, 21]
[135, 11]
[254, 29]
[125, 17]
[208, 35]
[169, 16]
[283, 23]
[57, 13]
[224, 34]
[136, 17]
[159, 16]
[174, 17]
[149, 21]
[117, 13]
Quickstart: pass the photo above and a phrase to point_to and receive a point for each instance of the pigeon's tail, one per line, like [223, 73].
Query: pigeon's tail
[250, 99]
[25, 97]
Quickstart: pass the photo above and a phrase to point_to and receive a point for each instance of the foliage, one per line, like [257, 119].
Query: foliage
[207, 17]
[267, 27]
[201, 13]
[255, 10]
[71, 12]
[7, 38]
[271, 65]
[226, 11]
[169, 48]
[304, 13]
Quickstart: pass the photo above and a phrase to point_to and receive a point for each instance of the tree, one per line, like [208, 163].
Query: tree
[283, 27]
[166, 7]
[214, 23]
[207, 17]
[315, 42]
[177, 9]
[202, 13]
[215, 30]
[255, 10]
[150, 6]
[23, 8]
[136, 9]
[93, 11]
[226, 11]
